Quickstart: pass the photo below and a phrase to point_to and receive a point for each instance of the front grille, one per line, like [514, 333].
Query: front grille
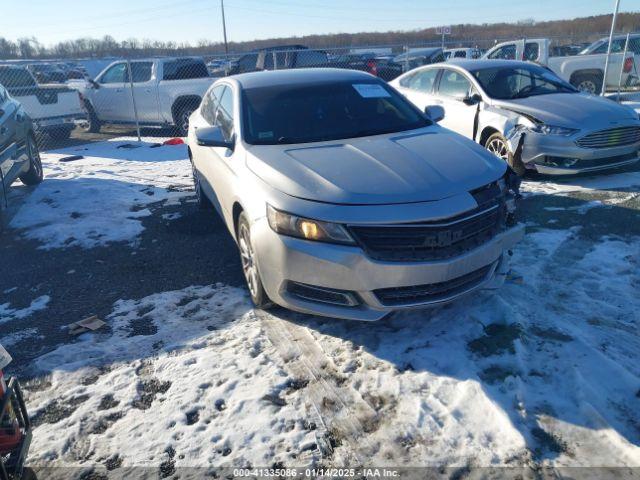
[613, 137]
[433, 292]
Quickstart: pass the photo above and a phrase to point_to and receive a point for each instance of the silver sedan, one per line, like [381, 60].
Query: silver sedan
[526, 115]
[344, 199]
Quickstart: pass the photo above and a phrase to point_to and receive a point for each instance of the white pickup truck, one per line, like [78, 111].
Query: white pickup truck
[55, 109]
[164, 92]
[585, 72]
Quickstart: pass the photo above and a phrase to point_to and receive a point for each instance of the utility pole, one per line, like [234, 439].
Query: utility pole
[606, 62]
[224, 28]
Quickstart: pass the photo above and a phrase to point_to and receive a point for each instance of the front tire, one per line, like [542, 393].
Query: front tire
[92, 125]
[34, 175]
[182, 120]
[499, 146]
[62, 133]
[249, 266]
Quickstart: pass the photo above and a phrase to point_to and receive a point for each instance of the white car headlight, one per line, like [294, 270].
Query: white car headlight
[306, 228]
[552, 130]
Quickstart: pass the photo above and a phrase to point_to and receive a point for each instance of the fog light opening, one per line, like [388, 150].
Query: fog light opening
[322, 294]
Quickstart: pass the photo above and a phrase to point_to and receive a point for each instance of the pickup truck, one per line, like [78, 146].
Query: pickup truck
[165, 90]
[54, 109]
[585, 72]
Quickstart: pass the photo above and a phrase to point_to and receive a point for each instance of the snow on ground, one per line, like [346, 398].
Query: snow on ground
[7, 313]
[101, 198]
[185, 378]
[544, 371]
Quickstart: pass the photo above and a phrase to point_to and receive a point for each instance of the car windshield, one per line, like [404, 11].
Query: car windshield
[325, 111]
[507, 83]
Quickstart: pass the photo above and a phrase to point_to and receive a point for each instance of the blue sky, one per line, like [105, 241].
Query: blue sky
[192, 20]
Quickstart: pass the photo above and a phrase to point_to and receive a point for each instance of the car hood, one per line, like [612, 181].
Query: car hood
[572, 110]
[422, 165]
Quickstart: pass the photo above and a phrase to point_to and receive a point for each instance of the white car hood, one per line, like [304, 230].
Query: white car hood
[421, 165]
[573, 110]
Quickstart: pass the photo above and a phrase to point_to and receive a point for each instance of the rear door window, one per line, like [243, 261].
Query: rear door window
[141, 71]
[184, 68]
[422, 81]
[531, 52]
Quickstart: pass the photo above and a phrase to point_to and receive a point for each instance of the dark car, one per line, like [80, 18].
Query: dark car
[382, 67]
[47, 73]
[418, 57]
[19, 156]
[250, 62]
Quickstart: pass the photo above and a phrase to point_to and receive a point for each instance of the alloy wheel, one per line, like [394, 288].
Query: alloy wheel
[247, 257]
[499, 148]
[587, 86]
[184, 120]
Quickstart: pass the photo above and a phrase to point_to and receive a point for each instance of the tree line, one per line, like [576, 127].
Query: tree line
[577, 30]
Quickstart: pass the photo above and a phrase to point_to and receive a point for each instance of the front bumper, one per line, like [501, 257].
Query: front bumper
[285, 259]
[558, 155]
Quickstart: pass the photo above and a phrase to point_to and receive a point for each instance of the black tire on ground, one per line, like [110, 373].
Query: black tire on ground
[588, 82]
[182, 119]
[249, 266]
[34, 175]
[92, 124]
[499, 146]
[203, 201]
[62, 133]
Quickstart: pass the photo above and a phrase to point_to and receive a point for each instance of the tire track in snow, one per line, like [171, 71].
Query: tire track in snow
[345, 416]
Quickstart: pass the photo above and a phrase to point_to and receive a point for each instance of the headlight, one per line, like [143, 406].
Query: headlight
[300, 227]
[552, 130]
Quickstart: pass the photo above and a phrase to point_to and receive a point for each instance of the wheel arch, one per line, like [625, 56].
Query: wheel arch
[486, 133]
[596, 72]
[235, 215]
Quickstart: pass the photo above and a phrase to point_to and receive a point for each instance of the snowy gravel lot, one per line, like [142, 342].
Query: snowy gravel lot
[186, 374]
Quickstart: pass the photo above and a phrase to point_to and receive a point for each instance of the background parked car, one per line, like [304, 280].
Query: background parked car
[379, 66]
[418, 57]
[166, 92]
[47, 73]
[54, 109]
[563, 131]
[586, 72]
[451, 53]
[19, 156]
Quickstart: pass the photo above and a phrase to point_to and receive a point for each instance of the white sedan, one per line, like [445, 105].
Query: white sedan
[526, 115]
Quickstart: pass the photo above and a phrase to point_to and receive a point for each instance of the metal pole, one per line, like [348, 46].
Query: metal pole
[443, 39]
[406, 58]
[606, 62]
[224, 28]
[624, 57]
[133, 100]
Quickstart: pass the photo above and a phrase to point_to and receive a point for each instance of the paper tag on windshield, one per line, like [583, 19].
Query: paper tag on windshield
[371, 90]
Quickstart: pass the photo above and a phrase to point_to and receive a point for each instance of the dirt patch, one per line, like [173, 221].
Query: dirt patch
[550, 334]
[108, 402]
[497, 339]
[496, 374]
[57, 410]
[103, 423]
[547, 443]
[148, 389]
[142, 326]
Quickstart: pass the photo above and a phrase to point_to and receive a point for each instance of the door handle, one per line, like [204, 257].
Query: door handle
[118, 90]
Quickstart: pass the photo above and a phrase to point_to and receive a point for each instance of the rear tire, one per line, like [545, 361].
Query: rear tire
[249, 266]
[588, 83]
[34, 175]
[499, 146]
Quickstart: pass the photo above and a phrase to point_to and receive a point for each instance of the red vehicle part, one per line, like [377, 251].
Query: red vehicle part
[15, 430]
[628, 65]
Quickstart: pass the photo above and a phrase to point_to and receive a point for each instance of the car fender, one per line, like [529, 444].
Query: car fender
[511, 124]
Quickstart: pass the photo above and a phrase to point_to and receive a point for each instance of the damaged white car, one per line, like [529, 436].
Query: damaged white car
[526, 115]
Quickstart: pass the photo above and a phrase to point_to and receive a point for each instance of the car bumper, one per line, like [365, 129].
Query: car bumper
[285, 261]
[62, 121]
[557, 155]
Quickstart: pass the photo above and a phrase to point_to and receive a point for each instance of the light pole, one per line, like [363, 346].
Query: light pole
[606, 62]
[224, 29]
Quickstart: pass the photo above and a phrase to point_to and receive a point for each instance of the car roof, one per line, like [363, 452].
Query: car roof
[479, 64]
[298, 76]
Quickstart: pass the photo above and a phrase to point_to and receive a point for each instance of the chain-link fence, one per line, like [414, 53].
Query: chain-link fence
[74, 101]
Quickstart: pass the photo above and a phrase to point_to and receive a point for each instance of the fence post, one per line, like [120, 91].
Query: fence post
[133, 100]
[606, 61]
[624, 58]
[406, 58]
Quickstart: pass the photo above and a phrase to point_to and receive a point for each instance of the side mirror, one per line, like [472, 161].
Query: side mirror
[434, 112]
[472, 100]
[212, 137]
